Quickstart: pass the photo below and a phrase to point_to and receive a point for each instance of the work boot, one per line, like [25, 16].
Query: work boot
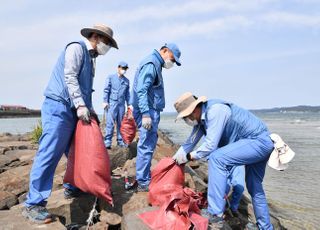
[216, 222]
[142, 188]
[251, 226]
[71, 193]
[37, 214]
[235, 213]
[122, 144]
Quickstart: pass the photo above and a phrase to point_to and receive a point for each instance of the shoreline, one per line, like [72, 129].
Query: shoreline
[14, 175]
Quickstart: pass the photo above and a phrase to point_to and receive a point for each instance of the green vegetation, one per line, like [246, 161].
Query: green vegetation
[36, 133]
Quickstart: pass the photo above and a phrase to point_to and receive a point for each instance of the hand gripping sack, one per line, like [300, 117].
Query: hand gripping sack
[88, 166]
[128, 127]
[167, 177]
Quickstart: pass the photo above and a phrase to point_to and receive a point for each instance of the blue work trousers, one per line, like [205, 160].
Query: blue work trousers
[146, 146]
[254, 154]
[236, 180]
[114, 115]
[58, 125]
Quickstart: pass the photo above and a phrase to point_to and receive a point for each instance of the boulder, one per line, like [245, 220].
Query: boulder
[13, 220]
[136, 202]
[15, 180]
[131, 220]
[112, 219]
[7, 200]
[71, 211]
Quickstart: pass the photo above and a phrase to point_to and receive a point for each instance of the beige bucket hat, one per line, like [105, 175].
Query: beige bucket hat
[186, 103]
[102, 30]
[281, 155]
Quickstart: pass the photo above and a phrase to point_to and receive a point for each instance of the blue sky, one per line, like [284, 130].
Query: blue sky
[256, 53]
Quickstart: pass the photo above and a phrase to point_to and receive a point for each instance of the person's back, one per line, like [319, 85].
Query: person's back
[241, 125]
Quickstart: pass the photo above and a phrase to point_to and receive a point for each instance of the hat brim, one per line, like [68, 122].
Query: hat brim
[85, 32]
[177, 60]
[191, 107]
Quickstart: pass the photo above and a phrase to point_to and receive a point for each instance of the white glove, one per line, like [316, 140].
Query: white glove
[180, 157]
[130, 107]
[146, 122]
[105, 105]
[83, 113]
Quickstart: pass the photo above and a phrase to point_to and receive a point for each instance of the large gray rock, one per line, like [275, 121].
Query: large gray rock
[7, 200]
[72, 211]
[131, 220]
[15, 180]
[13, 220]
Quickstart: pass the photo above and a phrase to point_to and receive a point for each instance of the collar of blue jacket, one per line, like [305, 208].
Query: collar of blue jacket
[158, 56]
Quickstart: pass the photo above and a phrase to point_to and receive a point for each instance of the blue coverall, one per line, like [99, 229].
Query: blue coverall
[236, 180]
[147, 99]
[116, 94]
[233, 137]
[58, 115]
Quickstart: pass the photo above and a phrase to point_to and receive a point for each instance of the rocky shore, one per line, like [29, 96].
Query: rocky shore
[16, 155]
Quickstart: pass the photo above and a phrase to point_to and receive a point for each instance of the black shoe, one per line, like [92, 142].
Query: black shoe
[216, 222]
[70, 193]
[143, 188]
[37, 214]
[137, 188]
[235, 213]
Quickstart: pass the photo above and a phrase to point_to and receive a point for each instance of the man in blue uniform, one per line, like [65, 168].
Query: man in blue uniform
[148, 101]
[236, 180]
[233, 137]
[68, 97]
[115, 95]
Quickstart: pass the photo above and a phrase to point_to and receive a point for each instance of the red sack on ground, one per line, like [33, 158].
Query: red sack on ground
[88, 166]
[128, 127]
[180, 211]
[167, 177]
[179, 207]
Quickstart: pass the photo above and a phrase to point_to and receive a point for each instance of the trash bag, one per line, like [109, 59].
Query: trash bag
[88, 166]
[179, 207]
[128, 127]
[167, 177]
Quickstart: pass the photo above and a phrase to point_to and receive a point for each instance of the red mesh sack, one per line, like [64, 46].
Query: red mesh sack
[128, 127]
[179, 211]
[88, 166]
[166, 178]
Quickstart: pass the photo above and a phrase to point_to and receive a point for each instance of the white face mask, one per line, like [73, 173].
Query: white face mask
[102, 48]
[122, 72]
[168, 64]
[190, 122]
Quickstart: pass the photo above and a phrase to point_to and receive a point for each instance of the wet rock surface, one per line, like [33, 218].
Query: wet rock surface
[16, 155]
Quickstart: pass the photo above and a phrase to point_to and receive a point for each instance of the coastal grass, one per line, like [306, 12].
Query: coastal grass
[36, 133]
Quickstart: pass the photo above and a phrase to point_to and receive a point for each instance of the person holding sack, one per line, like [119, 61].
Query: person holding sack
[68, 97]
[233, 137]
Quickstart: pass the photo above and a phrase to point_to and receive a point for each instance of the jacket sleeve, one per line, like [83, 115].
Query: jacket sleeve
[146, 79]
[217, 117]
[107, 90]
[72, 66]
[193, 139]
[128, 93]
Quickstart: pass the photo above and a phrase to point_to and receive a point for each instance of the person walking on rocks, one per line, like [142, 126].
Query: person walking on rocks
[148, 100]
[115, 95]
[233, 137]
[68, 97]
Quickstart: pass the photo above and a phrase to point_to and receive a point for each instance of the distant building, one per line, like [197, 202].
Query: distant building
[13, 108]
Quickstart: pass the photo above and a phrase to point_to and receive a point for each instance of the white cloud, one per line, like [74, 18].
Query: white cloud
[292, 19]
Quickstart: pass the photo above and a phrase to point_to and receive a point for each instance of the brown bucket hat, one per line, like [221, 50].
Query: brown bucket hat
[186, 103]
[102, 30]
